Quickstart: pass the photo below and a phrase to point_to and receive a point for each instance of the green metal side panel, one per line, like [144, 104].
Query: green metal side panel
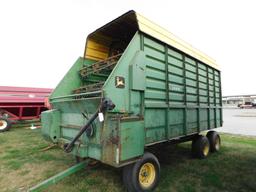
[124, 140]
[132, 136]
[182, 94]
[155, 93]
[51, 125]
[176, 122]
[74, 115]
[121, 96]
[155, 125]
[137, 72]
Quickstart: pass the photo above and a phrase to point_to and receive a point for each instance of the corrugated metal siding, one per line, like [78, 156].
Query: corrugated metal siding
[155, 93]
[156, 31]
[181, 92]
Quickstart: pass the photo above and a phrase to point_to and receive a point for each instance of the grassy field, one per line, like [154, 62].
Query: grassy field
[24, 163]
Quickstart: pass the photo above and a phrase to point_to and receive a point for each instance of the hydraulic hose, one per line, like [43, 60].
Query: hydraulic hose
[105, 105]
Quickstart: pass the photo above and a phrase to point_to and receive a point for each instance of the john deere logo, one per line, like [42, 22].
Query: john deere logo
[119, 82]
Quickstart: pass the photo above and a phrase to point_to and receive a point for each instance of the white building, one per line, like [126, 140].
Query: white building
[238, 99]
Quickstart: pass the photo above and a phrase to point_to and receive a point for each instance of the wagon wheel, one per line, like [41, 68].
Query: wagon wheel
[214, 140]
[143, 175]
[5, 124]
[200, 147]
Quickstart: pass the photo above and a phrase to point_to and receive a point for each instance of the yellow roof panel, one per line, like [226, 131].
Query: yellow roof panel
[163, 35]
[137, 22]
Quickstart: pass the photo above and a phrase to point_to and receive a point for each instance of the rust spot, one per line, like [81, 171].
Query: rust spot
[114, 140]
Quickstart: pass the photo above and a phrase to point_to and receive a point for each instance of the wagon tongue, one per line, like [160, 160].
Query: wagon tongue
[105, 105]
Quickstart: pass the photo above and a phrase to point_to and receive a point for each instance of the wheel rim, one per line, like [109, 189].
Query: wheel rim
[3, 124]
[147, 175]
[217, 144]
[206, 150]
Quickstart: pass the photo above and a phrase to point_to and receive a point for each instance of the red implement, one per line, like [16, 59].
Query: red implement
[21, 103]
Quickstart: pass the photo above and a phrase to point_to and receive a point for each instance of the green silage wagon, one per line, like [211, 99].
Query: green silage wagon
[136, 86]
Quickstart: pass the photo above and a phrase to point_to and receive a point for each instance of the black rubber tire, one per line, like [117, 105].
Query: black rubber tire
[131, 174]
[214, 140]
[127, 175]
[5, 124]
[199, 147]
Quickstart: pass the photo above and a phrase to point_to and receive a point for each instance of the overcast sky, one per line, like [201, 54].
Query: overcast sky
[41, 40]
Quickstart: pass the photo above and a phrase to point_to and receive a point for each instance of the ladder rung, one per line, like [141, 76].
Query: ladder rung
[90, 87]
[100, 65]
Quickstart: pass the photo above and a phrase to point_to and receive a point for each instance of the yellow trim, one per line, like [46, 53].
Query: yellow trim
[147, 175]
[217, 144]
[206, 150]
[96, 51]
[163, 35]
